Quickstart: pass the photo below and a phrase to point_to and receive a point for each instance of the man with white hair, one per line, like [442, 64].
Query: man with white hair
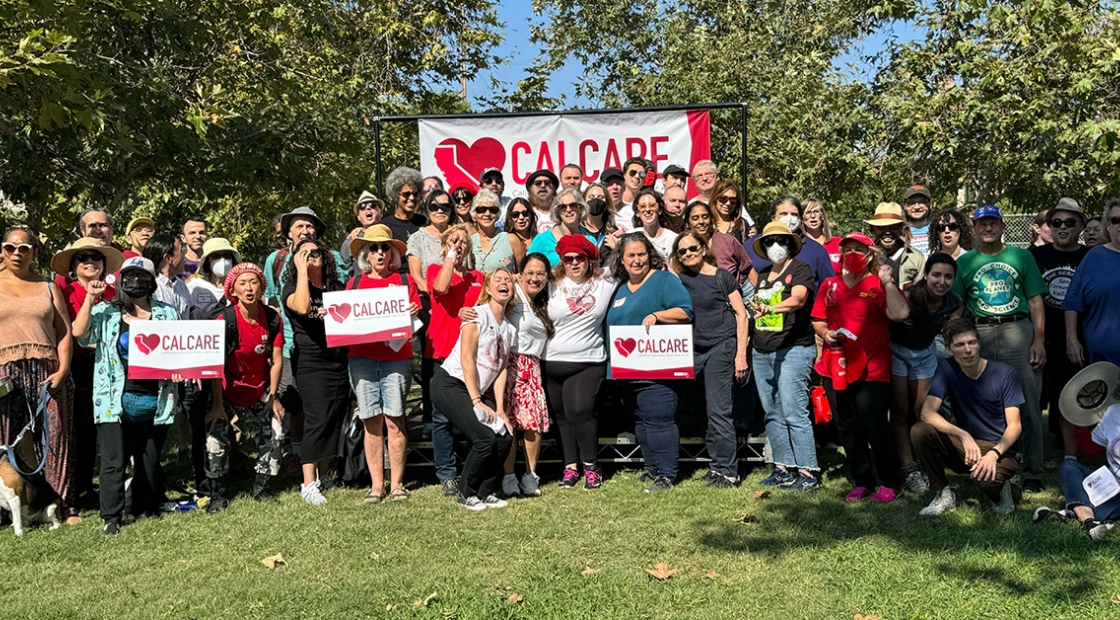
[705, 175]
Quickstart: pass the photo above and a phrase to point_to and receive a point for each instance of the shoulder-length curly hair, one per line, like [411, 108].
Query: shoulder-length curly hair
[617, 271]
[330, 267]
[941, 220]
[400, 177]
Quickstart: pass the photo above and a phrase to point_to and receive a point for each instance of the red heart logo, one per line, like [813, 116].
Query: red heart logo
[582, 305]
[625, 346]
[464, 164]
[147, 343]
[339, 312]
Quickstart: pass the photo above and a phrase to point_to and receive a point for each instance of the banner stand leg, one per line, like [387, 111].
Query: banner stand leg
[743, 153]
[377, 156]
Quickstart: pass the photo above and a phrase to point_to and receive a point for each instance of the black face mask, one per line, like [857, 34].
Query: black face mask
[597, 206]
[137, 288]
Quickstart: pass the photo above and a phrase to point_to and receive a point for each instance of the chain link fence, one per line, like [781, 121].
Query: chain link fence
[1018, 231]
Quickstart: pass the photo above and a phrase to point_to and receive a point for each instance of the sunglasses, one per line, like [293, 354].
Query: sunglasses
[315, 254]
[463, 200]
[491, 179]
[89, 257]
[407, 195]
[953, 227]
[384, 248]
[367, 205]
[773, 241]
[634, 173]
[727, 199]
[542, 183]
[1114, 220]
[490, 210]
[684, 251]
[22, 248]
[516, 215]
[647, 209]
[437, 207]
[564, 206]
[1068, 222]
[575, 258]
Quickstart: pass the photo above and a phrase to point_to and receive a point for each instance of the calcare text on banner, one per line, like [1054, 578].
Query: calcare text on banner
[367, 315]
[459, 150]
[664, 352]
[192, 349]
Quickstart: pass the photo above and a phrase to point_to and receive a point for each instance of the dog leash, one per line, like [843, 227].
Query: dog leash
[44, 400]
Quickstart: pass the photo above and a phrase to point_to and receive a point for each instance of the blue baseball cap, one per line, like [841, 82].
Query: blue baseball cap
[987, 211]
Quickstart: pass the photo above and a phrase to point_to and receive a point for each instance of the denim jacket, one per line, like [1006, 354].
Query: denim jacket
[109, 372]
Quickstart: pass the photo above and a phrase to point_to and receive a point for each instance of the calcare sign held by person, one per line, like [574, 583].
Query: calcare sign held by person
[367, 315]
[192, 349]
[665, 352]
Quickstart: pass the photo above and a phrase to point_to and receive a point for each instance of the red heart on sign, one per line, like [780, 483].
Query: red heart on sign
[147, 343]
[625, 346]
[464, 164]
[339, 312]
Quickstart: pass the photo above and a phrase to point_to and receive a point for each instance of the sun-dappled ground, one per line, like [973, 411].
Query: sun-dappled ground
[571, 554]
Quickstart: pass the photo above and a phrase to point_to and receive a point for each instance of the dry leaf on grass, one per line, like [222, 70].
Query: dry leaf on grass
[390, 607]
[762, 494]
[501, 587]
[587, 572]
[272, 560]
[867, 617]
[746, 519]
[711, 574]
[661, 571]
[514, 599]
[374, 555]
[424, 603]
[1115, 600]
[256, 605]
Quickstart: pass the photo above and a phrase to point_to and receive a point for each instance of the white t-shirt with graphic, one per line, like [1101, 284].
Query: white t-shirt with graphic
[544, 221]
[1107, 434]
[495, 344]
[577, 312]
[204, 296]
[663, 242]
[531, 333]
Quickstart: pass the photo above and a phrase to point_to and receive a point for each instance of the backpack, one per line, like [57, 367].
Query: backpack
[228, 313]
[278, 265]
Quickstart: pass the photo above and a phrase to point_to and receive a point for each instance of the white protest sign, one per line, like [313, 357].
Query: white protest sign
[367, 315]
[1101, 486]
[193, 349]
[663, 353]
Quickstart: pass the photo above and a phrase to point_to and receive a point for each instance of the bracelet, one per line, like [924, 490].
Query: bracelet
[654, 315]
[999, 455]
[476, 399]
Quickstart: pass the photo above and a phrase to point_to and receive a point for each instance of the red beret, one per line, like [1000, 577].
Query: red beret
[576, 244]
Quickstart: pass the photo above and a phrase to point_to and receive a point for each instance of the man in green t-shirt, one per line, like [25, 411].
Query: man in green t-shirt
[1002, 290]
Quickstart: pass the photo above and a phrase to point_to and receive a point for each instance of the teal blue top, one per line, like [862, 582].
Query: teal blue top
[545, 243]
[109, 372]
[500, 253]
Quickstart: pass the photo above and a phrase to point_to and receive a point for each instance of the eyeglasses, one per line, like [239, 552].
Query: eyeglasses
[953, 227]
[1068, 222]
[1114, 220]
[490, 210]
[407, 195]
[564, 206]
[315, 254]
[89, 257]
[384, 248]
[572, 259]
[647, 209]
[684, 251]
[728, 199]
[542, 183]
[516, 215]
[437, 207]
[22, 248]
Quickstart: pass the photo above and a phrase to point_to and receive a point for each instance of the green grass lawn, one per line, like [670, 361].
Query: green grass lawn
[808, 556]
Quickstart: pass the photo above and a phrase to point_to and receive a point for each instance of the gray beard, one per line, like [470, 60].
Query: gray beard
[540, 203]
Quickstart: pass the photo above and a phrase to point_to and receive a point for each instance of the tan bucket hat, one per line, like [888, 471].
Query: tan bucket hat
[113, 257]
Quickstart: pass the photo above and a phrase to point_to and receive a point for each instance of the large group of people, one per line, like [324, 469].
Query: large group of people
[938, 345]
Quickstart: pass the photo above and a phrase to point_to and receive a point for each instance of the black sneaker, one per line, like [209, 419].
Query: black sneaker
[662, 483]
[1046, 514]
[1095, 529]
[1031, 487]
[646, 477]
[112, 528]
[471, 503]
[719, 481]
[216, 504]
[449, 488]
[711, 475]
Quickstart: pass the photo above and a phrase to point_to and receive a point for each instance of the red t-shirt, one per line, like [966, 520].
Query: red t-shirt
[247, 368]
[381, 350]
[833, 249]
[443, 330]
[75, 295]
[861, 310]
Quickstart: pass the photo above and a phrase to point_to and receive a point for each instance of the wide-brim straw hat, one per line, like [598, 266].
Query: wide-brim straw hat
[1090, 393]
[378, 233]
[887, 214]
[774, 229]
[113, 257]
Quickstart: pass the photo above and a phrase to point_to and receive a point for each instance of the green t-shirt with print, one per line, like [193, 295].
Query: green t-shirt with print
[998, 285]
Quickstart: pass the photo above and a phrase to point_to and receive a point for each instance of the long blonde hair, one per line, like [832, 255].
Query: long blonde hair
[484, 297]
[814, 203]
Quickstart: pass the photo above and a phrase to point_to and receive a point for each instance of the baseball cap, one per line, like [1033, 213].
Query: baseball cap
[858, 237]
[916, 190]
[987, 211]
[608, 173]
[140, 221]
[139, 262]
[675, 169]
[492, 172]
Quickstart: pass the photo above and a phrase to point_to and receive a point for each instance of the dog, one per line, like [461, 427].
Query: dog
[29, 500]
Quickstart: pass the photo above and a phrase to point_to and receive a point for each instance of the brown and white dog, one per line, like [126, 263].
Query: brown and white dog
[29, 501]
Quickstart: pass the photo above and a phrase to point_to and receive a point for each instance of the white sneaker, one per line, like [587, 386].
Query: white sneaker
[492, 501]
[531, 484]
[1006, 503]
[509, 485]
[311, 494]
[471, 503]
[943, 502]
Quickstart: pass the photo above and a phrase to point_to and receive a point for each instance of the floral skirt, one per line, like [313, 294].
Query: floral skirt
[525, 402]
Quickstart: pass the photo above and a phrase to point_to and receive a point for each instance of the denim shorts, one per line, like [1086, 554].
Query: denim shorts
[913, 364]
[381, 387]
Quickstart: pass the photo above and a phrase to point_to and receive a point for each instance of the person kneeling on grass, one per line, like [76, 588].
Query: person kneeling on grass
[986, 398]
[1090, 400]
[254, 354]
[479, 361]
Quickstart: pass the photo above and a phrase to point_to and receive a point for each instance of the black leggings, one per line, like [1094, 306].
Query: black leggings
[483, 469]
[572, 388]
[861, 414]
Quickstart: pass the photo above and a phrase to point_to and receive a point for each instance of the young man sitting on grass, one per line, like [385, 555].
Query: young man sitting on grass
[986, 397]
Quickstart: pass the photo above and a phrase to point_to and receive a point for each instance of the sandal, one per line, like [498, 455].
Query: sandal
[374, 497]
[399, 494]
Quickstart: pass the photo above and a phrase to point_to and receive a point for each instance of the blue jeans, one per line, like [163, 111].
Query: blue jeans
[443, 442]
[783, 386]
[717, 366]
[655, 424]
[381, 387]
[137, 408]
[1071, 472]
[1010, 343]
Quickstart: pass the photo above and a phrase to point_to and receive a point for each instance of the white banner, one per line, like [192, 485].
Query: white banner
[459, 150]
[663, 353]
[367, 315]
[193, 349]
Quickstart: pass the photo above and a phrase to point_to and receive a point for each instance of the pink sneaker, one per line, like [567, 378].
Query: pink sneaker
[885, 494]
[857, 494]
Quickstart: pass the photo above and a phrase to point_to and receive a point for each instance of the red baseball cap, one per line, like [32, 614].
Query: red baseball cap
[858, 236]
